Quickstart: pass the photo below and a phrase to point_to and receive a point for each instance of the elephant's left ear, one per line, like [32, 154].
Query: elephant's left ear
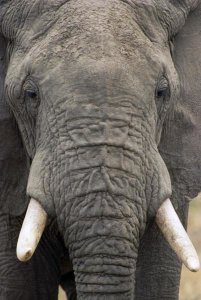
[181, 140]
[14, 162]
[173, 14]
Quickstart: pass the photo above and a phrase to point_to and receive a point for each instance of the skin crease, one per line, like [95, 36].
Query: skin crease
[81, 81]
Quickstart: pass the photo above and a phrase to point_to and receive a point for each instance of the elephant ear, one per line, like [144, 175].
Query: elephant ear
[14, 162]
[173, 13]
[180, 147]
[181, 142]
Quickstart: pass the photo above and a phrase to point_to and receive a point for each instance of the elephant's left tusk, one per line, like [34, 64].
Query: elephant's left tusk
[174, 232]
[31, 231]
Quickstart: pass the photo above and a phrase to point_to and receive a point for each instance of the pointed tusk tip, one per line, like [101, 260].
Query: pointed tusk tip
[31, 231]
[193, 264]
[174, 232]
[24, 255]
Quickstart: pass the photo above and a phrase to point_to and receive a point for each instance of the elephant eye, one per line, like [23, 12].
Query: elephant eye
[31, 98]
[30, 89]
[162, 97]
[161, 92]
[162, 101]
[162, 88]
[30, 94]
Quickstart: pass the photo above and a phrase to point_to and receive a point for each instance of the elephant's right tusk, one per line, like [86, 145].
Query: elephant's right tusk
[174, 232]
[31, 231]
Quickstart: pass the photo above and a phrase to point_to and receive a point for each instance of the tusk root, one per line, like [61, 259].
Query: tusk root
[31, 231]
[174, 232]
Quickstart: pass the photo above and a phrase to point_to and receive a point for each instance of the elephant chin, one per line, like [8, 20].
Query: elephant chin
[166, 218]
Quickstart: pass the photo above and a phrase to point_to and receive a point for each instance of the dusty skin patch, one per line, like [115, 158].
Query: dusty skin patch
[190, 282]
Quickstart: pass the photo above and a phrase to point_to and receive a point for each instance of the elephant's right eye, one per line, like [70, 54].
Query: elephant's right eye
[31, 98]
[162, 96]
[31, 94]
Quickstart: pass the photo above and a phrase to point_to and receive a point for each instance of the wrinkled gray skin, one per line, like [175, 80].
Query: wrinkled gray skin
[92, 84]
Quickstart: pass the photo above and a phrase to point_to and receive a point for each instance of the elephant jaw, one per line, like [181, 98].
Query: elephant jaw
[166, 218]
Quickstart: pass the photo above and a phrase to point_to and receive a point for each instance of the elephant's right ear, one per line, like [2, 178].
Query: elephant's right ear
[14, 162]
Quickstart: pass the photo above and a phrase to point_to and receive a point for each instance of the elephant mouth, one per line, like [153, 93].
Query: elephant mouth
[166, 219]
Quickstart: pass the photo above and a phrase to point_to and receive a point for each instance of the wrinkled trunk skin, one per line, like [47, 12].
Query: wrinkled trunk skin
[103, 249]
[101, 216]
[102, 211]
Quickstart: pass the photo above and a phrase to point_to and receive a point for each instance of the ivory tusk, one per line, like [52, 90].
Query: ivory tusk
[174, 232]
[31, 231]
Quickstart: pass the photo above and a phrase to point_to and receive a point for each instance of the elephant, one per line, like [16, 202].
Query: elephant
[100, 126]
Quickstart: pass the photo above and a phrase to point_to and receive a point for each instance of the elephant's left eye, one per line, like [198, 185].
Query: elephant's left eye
[162, 92]
[30, 89]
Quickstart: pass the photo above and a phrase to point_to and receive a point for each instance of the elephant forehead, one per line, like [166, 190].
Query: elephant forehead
[92, 28]
[100, 89]
[84, 18]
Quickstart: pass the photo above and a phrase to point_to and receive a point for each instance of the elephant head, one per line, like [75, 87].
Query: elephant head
[90, 84]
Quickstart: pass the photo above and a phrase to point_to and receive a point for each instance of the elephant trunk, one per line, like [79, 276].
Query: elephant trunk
[102, 266]
[104, 275]
[101, 211]
[103, 249]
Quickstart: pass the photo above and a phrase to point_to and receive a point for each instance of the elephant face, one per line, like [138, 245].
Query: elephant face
[90, 84]
[96, 95]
